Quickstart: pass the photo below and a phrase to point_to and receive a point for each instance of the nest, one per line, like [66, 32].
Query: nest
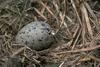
[76, 25]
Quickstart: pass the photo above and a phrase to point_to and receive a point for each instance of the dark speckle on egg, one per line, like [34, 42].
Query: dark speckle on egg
[21, 37]
[43, 24]
[45, 29]
[42, 32]
[22, 33]
[28, 36]
[34, 28]
[39, 40]
[29, 30]
[22, 41]
[36, 33]
[41, 37]
[26, 42]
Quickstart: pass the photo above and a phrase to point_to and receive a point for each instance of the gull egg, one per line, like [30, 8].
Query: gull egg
[36, 35]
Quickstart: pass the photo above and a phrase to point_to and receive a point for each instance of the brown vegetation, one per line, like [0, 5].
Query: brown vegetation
[76, 24]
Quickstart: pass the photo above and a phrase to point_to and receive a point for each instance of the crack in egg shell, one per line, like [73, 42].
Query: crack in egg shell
[36, 35]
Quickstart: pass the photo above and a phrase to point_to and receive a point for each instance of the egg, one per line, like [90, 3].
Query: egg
[36, 35]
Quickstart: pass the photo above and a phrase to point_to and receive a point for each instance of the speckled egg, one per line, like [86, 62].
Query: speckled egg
[36, 35]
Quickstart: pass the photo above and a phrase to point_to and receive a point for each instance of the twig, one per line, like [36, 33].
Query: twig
[18, 51]
[80, 50]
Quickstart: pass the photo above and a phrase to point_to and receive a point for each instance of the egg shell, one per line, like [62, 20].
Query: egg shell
[36, 35]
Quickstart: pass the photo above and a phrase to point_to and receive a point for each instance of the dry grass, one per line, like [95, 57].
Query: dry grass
[76, 24]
